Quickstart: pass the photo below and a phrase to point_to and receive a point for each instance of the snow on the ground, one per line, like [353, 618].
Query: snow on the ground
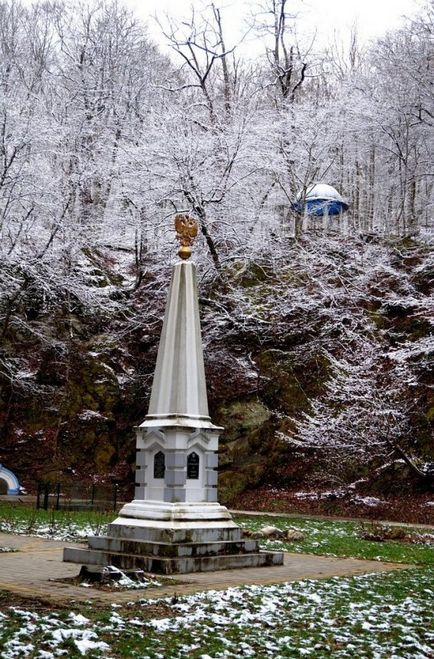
[67, 531]
[339, 493]
[53, 633]
[268, 617]
[90, 415]
[340, 617]
[368, 501]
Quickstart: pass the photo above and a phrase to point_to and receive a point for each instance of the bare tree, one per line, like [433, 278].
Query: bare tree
[200, 43]
[288, 62]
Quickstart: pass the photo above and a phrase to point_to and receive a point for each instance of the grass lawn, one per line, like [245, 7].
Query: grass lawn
[56, 524]
[333, 538]
[377, 616]
[322, 537]
[373, 616]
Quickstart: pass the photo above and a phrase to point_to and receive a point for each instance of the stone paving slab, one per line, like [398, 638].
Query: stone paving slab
[34, 570]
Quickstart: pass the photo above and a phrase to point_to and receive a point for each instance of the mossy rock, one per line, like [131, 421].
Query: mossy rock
[93, 386]
[248, 274]
[379, 320]
[101, 275]
[260, 439]
[94, 451]
[230, 484]
[396, 478]
[104, 456]
[254, 472]
[237, 450]
[288, 386]
[241, 418]
[225, 456]
[424, 279]
[102, 343]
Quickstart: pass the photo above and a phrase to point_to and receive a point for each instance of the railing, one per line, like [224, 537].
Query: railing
[60, 496]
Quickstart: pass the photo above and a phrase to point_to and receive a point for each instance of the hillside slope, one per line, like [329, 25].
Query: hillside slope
[319, 360]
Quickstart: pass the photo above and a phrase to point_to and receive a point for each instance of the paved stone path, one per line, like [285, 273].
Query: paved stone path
[36, 568]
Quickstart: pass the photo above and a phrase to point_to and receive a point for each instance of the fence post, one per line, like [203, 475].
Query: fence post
[38, 496]
[115, 496]
[58, 497]
[46, 493]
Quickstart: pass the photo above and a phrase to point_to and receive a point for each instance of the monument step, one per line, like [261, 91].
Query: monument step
[179, 565]
[172, 550]
[151, 531]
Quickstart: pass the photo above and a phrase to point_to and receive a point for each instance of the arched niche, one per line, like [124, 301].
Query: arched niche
[159, 465]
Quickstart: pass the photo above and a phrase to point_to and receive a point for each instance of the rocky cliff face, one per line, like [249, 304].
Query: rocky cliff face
[319, 362]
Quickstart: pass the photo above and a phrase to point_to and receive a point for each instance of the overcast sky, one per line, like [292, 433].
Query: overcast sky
[328, 17]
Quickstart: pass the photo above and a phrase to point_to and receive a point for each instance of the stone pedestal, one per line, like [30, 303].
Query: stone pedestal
[176, 464]
[172, 538]
[174, 524]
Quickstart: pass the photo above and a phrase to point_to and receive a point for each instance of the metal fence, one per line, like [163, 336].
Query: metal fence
[61, 496]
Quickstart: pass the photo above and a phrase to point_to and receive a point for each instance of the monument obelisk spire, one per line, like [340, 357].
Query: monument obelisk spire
[174, 523]
[179, 389]
[177, 442]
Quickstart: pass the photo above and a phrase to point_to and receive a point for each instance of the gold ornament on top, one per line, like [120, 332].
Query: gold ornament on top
[186, 231]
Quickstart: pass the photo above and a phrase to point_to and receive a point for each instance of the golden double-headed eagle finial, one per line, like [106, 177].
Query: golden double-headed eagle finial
[186, 231]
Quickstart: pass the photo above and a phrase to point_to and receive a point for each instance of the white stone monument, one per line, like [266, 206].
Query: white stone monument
[174, 524]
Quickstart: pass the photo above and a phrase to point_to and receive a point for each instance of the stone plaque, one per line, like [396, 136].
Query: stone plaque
[193, 466]
[159, 465]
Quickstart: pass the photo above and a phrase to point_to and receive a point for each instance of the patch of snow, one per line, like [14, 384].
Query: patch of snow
[368, 501]
[315, 598]
[255, 612]
[89, 415]
[78, 619]
[327, 494]
[83, 639]
[25, 374]
[123, 379]
[124, 581]
[85, 645]
[339, 493]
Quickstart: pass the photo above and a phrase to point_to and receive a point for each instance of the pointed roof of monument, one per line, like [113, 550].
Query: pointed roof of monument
[179, 395]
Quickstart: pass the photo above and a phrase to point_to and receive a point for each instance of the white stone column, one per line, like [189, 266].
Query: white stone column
[178, 424]
[175, 524]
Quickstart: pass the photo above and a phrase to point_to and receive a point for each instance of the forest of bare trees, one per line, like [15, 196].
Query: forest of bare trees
[104, 137]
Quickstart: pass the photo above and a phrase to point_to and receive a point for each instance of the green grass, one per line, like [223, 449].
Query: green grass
[17, 511]
[333, 538]
[16, 518]
[322, 537]
[323, 617]
[366, 616]
[378, 615]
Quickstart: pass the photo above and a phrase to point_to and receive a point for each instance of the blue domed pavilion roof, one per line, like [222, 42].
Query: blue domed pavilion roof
[320, 199]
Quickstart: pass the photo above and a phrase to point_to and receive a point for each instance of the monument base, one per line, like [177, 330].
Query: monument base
[172, 538]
